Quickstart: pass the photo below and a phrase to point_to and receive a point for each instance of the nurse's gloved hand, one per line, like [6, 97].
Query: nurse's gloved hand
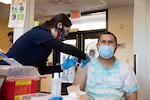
[2, 55]
[84, 62]
[69, 62]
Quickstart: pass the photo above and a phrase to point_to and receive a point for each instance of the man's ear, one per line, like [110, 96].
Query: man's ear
[97, 46]
[59, 25]
[116, 48]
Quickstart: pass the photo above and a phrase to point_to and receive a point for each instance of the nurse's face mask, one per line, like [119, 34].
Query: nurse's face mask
[60, 33]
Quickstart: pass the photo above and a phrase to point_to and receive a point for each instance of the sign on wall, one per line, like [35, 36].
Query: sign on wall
[17, 14]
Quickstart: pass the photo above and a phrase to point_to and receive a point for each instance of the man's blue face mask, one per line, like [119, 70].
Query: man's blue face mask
[106, 52]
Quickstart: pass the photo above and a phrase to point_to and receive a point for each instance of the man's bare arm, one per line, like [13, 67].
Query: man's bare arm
[131, 96]
[80, 78]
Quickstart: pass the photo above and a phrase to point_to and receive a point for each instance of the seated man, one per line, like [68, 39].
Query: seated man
[105, 77]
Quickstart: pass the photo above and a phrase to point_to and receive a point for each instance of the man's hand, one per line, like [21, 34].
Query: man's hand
[84, 62]
[69, 62]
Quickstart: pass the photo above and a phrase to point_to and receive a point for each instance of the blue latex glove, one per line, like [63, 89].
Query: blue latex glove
[84, 62]
[69, 62]
[2, 55]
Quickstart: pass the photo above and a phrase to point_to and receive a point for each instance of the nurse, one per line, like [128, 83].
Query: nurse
[34, 46]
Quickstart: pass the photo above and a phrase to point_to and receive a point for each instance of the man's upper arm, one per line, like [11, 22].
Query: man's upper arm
[131, 96]
[80, 77]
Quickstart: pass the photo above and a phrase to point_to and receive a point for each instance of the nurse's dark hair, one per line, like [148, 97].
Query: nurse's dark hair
[10, 33]
[52, 23]
[108, 33]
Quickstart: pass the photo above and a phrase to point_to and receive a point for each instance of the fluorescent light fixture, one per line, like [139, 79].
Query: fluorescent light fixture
[6, 1]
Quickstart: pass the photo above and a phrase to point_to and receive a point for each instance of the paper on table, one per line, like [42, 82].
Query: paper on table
[74, 90]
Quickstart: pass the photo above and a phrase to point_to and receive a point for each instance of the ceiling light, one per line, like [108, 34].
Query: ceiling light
[62, 1]
[6, 1]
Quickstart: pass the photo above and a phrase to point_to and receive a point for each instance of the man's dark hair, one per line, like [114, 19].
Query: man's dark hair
[108, 33]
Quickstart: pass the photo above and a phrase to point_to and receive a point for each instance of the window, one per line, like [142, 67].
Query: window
[90, 21]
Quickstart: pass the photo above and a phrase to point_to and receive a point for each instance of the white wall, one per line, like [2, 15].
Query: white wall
[120, 22]
[141, 46]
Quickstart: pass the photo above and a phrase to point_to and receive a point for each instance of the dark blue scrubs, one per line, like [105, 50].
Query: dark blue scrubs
[28, 49]
[34, 47]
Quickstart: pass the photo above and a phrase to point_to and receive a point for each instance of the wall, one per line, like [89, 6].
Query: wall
[43, 19]
[120, 22]
[137, 40]
[5, 44]
[141, 46]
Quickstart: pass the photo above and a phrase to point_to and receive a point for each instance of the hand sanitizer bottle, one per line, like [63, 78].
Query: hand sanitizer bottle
[56, 86]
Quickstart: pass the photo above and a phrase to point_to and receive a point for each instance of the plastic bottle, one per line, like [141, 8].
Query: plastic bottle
[56, 86]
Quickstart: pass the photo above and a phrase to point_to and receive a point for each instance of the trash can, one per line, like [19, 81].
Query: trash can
[16, 80]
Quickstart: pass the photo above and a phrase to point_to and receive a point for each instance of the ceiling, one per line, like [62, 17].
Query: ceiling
[44, 8]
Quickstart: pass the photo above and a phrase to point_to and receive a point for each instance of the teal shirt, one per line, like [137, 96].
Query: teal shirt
[109, 83]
